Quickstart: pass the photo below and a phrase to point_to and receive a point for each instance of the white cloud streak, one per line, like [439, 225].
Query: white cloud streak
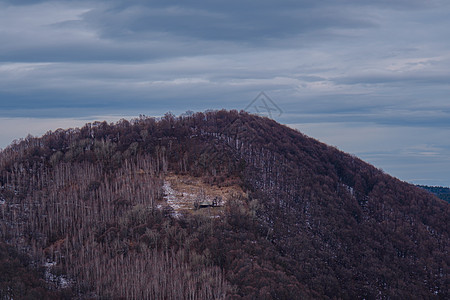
[378, 63]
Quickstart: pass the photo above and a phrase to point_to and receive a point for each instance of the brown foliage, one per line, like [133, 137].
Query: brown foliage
[318, 223]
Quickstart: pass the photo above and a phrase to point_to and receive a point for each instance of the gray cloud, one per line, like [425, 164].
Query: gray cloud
[395, 79]
[378, 63]
[238, 21]
[136, 30]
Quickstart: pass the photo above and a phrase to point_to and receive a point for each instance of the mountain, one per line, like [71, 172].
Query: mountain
[213, 205]
[440, 191]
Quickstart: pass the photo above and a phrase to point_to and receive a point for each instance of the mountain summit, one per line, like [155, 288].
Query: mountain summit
[213, 205]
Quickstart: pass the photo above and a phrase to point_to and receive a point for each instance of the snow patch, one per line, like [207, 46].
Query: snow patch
[62, 281]
[171, 198]
[350, 190]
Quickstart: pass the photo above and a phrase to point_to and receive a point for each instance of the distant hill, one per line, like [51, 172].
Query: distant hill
[215, 205]
[440, 191]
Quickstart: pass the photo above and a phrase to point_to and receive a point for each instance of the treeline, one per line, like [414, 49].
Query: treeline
[85, 220]
[318, 223]
[440, 191]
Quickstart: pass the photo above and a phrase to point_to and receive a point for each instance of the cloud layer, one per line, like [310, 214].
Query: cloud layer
[384, 63]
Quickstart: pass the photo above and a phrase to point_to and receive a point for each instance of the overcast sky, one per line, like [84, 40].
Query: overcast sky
[371, 77]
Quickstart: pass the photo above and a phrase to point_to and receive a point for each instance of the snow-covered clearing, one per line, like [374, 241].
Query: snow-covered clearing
[186, 193]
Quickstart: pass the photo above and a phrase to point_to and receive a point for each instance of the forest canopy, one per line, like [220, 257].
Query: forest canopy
[84, 209]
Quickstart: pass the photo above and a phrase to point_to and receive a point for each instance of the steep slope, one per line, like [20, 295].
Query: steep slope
[310, 221]
[440, 191]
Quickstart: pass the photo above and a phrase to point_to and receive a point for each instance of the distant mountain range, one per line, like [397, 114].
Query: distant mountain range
[440, 191]
[214, 205]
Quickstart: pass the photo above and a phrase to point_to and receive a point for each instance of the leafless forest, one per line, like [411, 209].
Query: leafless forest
[83, 216]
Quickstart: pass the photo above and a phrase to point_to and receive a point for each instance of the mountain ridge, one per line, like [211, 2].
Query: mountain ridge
[440, 191]
[317, 222]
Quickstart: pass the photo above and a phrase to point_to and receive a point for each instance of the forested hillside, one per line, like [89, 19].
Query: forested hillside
[440, 191]
[84, 214]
